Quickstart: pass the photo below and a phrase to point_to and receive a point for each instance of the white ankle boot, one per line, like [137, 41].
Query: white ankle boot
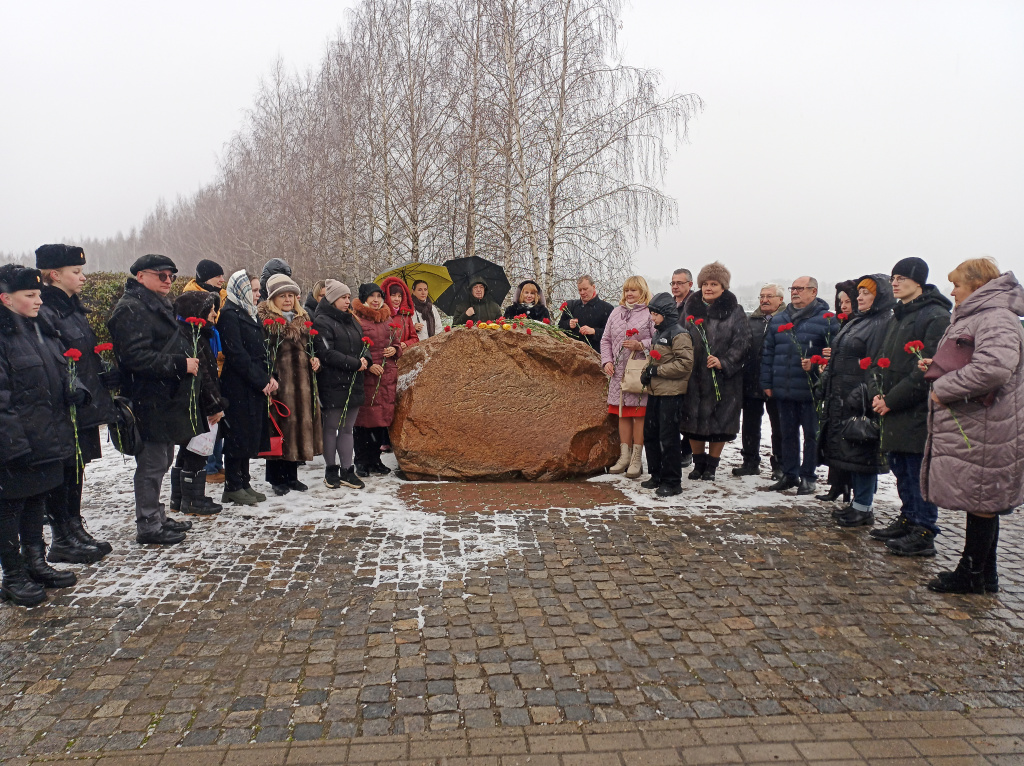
[623, 463]
[636, 463]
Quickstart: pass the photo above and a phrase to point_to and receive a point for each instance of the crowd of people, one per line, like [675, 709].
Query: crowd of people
[238, 367]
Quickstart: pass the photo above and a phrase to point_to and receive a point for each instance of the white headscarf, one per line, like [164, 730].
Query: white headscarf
[239, 289]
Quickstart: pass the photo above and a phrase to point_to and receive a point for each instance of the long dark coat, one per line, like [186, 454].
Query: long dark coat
[594, 314]
[758, 324]
[339, 346]
[302, 430]
[906, 391]
[846, 387]
[70, 318]
[725, 324]
[151, 355]
[242, 381]
[35, 420]
[376, 326]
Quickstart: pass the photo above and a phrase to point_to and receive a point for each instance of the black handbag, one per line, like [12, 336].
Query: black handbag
[124, 431]
[863, 428]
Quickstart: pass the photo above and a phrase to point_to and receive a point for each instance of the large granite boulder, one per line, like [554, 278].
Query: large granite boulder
[500, 404]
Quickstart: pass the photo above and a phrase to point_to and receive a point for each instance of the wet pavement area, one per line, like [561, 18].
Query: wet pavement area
[425, 608]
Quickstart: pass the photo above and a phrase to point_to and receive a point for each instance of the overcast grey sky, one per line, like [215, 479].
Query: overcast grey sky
[836, 138]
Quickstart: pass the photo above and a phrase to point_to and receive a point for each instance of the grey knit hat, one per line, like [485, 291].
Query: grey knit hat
[333, 289]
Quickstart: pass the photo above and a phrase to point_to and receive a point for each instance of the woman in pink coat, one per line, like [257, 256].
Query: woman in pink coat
[974, 457]
[628, 333]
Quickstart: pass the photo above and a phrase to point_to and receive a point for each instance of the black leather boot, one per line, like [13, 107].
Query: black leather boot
[963, 579]
[652, 483]
[193, 495]
[710, 466]
[700, 462]
[38, 570]
[66, 548]
[17, 587]
[175, 489]
[77, 528]
[748, 468]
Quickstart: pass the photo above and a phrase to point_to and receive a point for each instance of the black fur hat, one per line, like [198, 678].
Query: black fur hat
[58, 256]
[194, 303]
[365, 291]
[14, 278]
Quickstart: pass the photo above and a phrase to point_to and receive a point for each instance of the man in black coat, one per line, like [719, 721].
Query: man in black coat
[153, 362]
[62, 267]
[585, 319]
[770, 301]
[37, 436]
[922, 314]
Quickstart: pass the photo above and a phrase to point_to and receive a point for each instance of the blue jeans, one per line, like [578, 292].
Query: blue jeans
[864, 487]
[215, 463]
[794, 416]
[906, 467]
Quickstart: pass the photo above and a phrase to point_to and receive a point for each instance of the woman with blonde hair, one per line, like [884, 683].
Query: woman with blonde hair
[974, 457]
[629, 332]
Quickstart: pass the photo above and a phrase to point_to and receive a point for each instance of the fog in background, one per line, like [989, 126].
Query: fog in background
[836, 137]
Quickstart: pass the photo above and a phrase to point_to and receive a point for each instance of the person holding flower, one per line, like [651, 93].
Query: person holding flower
[847, 385]
[714, 399]
[344, 357]
[62, 268]
[666, 377]
[294, 368]
[529, 300]
[629, 331]
[585, 319]
[974, 456]
[247, 383]
[921, 315]
[380, 381]
[36, 394]
[196, 311]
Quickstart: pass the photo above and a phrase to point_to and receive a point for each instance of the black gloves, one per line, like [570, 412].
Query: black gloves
[111, 379]
[79, 397]
[645, 376]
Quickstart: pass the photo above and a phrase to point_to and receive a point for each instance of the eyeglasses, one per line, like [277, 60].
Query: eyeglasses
[897, 280]
[678, 284]
[163, 276]
[798, 289]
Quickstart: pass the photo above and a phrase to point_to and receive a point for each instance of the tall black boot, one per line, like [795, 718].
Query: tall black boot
[710, 466]
[34, 555]
[75, 524]
[17, 587]
[990, 569]
[700, 462]
[176, 488]
[193, 494]
[66, 548]
[969, 576]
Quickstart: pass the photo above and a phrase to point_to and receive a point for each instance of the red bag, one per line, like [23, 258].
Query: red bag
[277, 442]
[953, 355]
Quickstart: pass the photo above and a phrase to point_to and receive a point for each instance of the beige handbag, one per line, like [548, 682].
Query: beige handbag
[631, 377]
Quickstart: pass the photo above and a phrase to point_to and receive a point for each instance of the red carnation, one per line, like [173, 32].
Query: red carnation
[817, 359]
[447, 328]
[197, 321]
[268, 322]
[104, 347]
[842, 317]
[883, 363]
[656, 356]
[828, 315]
[308, 324]
[529, 331]
[314, 332]
[367, 341]
[469, 323]
[699, 321]
[689, 318]
[280, 320]
[786, 327]
[631, 332]
[545, 320]
[865, 362]
[73, 354]
[563, 306]
[520, 316]
[396, 325]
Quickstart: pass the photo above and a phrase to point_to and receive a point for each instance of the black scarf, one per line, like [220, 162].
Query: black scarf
[426, 310]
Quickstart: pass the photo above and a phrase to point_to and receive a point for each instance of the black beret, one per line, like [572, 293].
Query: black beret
[58, 256]
[206, 270]
[153, 262]
[365, 291]
[14, 278]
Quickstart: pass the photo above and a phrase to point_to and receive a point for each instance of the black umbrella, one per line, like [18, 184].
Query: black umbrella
[467, 271]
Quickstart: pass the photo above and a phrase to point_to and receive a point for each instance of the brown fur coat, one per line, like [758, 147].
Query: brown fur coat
[302, 431]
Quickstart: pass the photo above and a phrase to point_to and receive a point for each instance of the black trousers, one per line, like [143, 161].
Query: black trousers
[65, 500]
[282, 472]
[21, 523]
[189, 461]
[367, 443]
[662, 441]
[236, 472]
[753, 417]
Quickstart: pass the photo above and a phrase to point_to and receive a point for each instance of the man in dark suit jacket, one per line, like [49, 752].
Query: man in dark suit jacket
[585, 319]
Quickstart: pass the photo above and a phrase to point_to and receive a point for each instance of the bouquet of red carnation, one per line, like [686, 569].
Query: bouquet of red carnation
[311, 351]
[393, 327]
[197, 324]
[699, 324]
[274, 327]
[73, 355]
[104, 348]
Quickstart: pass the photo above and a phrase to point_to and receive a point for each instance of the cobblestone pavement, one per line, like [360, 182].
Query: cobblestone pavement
[475, 610]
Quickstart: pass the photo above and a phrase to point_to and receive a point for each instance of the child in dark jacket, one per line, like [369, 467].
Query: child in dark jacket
[666, 379]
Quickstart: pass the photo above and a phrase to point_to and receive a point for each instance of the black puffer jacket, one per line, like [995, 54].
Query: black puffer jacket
[70, 318]
[906, 391]
[35, 419]
[242, 380]
[152, 356]
[758, 324]
[846, 387]
[725, 324]
[339, 346]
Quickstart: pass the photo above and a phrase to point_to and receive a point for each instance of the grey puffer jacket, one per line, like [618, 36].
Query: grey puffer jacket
[988, 477]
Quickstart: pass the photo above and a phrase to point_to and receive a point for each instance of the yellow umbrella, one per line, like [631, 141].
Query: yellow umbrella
[437, 278]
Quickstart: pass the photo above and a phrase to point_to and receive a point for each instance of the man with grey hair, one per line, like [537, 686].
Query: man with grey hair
[770, 302]
[585, 319]
[795, 333]
[681, 286]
